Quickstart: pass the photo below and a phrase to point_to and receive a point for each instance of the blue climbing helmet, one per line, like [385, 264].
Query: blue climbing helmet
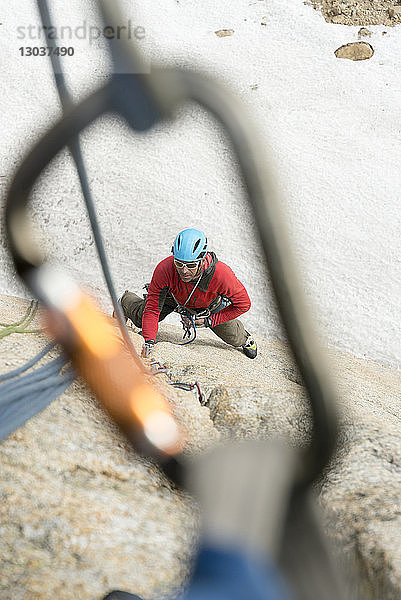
[189, 245]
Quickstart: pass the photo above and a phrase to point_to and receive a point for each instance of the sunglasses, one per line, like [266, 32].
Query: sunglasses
[189, 265]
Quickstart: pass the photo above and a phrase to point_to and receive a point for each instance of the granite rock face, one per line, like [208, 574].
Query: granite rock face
[81, 513]
[361, 492]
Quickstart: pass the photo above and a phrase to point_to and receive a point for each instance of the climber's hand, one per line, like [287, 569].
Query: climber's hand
[147, 348]
[205, 322]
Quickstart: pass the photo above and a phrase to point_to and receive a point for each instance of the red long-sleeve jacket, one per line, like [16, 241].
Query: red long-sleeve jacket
[217, 280]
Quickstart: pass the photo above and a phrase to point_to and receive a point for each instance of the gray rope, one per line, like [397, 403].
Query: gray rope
[29, 394]
[23, 395]
[75, 149]
[27, 384]
[27, 365]
[30, 401]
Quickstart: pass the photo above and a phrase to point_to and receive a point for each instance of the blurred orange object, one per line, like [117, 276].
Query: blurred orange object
[114, 375]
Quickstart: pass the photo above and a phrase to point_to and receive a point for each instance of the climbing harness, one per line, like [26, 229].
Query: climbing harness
[293, 538]
[187, 318]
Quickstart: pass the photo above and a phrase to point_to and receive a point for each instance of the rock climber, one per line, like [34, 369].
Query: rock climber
[196, 284]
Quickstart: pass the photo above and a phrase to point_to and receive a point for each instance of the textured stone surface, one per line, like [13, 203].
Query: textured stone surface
[355, 51]
[224, 32]
[359, 12]
[364, 32]
[361, 492]
[80, 513]
[333, 158]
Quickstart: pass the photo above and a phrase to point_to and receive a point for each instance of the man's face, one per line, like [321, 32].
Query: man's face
[188, 270]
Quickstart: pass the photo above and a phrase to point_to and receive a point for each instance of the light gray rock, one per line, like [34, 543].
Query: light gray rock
[81, 513]
[254, 413]
[361, 492]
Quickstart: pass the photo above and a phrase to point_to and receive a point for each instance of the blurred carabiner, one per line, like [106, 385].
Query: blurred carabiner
[145, 99]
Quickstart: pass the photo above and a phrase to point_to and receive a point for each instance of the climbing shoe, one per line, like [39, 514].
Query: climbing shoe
[119, 302]
[250, 348]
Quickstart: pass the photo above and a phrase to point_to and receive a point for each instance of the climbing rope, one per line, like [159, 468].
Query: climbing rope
[23, 396]
[192, 387]
[21, 326]
[76, 153]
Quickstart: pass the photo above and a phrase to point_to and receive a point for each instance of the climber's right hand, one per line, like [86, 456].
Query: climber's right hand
[147, 348]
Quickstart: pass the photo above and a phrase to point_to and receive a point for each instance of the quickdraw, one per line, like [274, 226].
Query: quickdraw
[188, 325]
[187, 318]
[192, 387]
[157, 368]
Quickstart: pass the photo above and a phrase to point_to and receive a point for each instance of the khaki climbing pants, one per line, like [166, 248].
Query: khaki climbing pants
[231, 332]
